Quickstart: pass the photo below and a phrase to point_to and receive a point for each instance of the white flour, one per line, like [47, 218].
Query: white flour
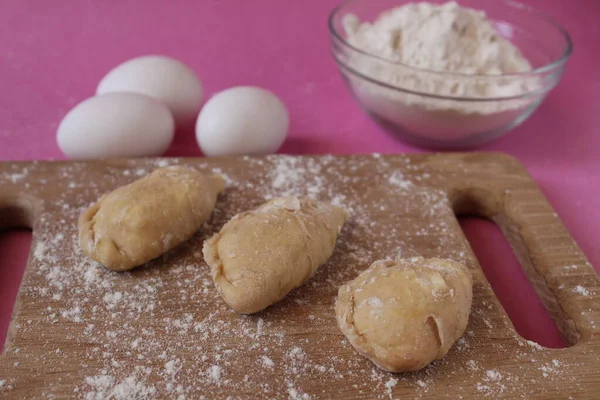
[448, 44]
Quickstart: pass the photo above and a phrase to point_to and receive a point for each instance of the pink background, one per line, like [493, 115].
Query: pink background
[52, 55]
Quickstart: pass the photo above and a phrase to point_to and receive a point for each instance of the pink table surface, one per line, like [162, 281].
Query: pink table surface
[54, 53]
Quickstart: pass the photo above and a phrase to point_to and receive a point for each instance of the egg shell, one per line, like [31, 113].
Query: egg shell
[242, 120]
[116, 125]
[165, 79]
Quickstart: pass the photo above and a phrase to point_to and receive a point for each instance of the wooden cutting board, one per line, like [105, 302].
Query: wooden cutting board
[162, 331]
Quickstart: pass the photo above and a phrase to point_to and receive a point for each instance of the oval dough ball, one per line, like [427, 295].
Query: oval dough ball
[140, 221]
[116, 125]
[242, 120]
[404, 314]
[260, 256]
[163, 78]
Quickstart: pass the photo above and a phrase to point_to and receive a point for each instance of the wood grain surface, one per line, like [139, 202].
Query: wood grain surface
[161, 331]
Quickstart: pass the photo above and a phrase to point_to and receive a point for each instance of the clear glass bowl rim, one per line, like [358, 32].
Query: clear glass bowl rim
[514, 4]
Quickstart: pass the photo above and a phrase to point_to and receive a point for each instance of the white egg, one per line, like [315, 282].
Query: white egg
[242, 120]
[165, 79]
[116, 125]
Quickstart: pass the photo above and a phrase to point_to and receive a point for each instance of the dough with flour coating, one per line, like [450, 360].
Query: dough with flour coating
[260, 256]
[140, 221]
[406, 313]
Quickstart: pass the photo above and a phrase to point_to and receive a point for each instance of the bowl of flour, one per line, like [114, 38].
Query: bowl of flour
[446, 74]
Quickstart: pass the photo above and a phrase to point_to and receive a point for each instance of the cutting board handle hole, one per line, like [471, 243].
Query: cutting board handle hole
[19, 212]
[501, 268]
[15, 246]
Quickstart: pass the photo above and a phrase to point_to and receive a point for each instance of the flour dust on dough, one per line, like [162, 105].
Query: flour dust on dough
[404, 314]
[143, 220]
[260, 256]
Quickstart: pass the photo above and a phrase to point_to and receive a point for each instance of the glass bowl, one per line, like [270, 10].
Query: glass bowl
[451, 121]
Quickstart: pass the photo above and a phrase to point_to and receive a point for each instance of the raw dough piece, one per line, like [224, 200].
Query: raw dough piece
[140, 221]
[260, 256]
[406, 313]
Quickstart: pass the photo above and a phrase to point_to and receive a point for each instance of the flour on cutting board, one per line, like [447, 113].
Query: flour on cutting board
[163, 331]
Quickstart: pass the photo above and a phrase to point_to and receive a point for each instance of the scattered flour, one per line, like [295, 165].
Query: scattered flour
[484, 389]
[73, 314]
[581, 290]
[214, 373]
[172, 367]
[106, 387]
[389, 385]
[296, 394]
[472, 365]
[267, 362]
[493, 374]
[421, 383]
[556, 363]
[112, 299]
[534, 345]
[40, 250]
[397, 179]
[297, 352]
[291, 178]
[148, 333]
[259, 327]
[18, 177]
